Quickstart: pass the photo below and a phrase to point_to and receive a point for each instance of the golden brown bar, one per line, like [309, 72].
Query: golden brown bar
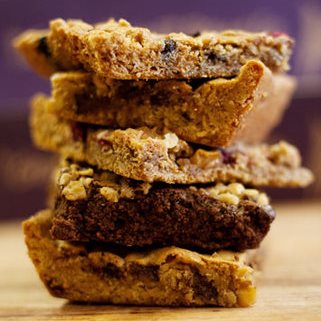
[117, 50]
[143, 154]
[169, 276]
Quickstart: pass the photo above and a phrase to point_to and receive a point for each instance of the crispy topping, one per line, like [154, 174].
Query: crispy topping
[74, 191]
[235, 192]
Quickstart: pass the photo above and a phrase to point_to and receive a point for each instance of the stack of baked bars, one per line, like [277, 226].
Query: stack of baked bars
[156, 197]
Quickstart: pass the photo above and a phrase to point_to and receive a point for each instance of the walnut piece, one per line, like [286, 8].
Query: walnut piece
[74, 191]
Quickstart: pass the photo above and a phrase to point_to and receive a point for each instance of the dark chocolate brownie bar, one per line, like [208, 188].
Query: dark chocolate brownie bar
[93, 205]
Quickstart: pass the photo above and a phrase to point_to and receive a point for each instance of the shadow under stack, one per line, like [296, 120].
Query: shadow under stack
[156, 198]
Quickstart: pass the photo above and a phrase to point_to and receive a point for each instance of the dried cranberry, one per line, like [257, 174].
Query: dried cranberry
[78, 131]
[277, 34]
[227, 157]
[104, 143]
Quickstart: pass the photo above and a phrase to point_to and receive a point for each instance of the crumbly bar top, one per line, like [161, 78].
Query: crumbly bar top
[144, 154]
[74, 182]
[118, 50]
[208, 112]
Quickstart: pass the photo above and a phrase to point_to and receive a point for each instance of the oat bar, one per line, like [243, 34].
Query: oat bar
[118, 50]
[208, 112]
[169, 276]
[144, 154]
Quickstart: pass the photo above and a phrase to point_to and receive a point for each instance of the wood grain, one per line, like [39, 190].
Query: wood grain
[289, 288]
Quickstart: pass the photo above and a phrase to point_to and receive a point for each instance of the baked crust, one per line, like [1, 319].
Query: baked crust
[117, 50]
[169, 276]
[208, 112]
[143, 154]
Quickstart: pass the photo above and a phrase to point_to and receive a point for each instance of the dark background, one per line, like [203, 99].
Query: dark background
[24, 171]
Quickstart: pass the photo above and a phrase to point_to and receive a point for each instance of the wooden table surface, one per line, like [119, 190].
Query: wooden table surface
[289, 287]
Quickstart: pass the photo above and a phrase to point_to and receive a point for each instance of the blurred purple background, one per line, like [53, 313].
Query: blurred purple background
[24, 171]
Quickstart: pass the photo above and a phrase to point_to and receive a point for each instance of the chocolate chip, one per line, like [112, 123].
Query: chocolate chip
[112, 271]
[195, 34]
[215, 58]
[145, 272]
[203, 287]
[169, 47]
[43, 47]
[108, 271]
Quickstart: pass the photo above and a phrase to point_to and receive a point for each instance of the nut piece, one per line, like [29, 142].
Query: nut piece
[251, 193]
[126, 191]
[236, 192]
[110, 194]
[86, 181]
[216, 190]
[236, 188]
[75, 190]
[262, 199]
[284, 153]
[146, 187]
[246, 296]
[205, 159]
[170, 140]
[64, 179]
[86, 172]
[228, 198]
